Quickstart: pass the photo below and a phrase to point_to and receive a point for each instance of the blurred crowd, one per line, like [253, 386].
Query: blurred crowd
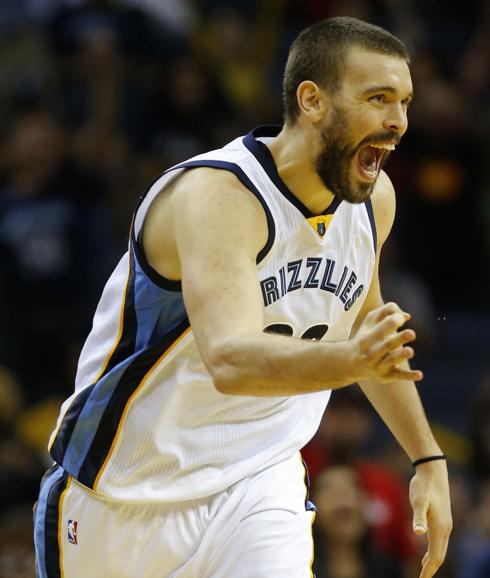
[98, 97]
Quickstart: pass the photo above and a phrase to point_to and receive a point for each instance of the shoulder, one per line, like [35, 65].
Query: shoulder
[203, 209]
[212, 186]
[384, 206]
[217, 199]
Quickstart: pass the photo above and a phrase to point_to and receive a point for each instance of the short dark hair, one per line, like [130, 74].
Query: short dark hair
[319, 52]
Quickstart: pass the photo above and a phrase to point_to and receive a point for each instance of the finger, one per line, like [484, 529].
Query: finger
[420, 508]
[443, 540]
[443, 551]
[399, 373]
[388, 326]
[394, 341]
[387, 309]
[395, 357]
[433, 558]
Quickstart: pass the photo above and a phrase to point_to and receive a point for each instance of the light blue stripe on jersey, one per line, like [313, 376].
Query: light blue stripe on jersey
[40, 520]
[90, 417]
[158, 311]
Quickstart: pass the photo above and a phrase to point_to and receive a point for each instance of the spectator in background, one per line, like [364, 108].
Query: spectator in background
[343, 546]
[462, 510]
[56, 246]
[240, 50]
[341, 440]
[192, 112]
[107, 55]
[475, 555]
[480, 430]
[20, 466]
[16, 555]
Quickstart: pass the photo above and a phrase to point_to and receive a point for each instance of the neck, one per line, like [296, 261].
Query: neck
[294, 151]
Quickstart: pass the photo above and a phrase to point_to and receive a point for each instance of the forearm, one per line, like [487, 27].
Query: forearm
[274, 365]
[399, 406]
[260, 364]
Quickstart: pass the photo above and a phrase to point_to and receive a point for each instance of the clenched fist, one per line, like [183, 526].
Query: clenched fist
[379, 348]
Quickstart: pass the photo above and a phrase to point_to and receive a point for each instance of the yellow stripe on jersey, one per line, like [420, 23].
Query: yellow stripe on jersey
[320, 224]
[108, 358]
[312, 545]
[128, 403]
[121, 323]
[313, 514]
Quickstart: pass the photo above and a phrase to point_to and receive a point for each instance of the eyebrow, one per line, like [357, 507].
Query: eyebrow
[390, 89]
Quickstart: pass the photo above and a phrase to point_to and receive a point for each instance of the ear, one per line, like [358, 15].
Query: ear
[313, 102]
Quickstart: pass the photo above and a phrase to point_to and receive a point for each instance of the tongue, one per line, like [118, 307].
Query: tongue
[368, 159]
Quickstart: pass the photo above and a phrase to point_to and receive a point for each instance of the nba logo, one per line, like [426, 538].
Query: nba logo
[72, 531]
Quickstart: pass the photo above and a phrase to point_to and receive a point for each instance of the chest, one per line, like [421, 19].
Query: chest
[314, 285]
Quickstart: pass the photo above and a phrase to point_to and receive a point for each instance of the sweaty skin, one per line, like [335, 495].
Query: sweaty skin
[207, 230]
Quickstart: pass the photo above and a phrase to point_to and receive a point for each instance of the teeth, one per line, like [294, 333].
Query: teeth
[388, 147]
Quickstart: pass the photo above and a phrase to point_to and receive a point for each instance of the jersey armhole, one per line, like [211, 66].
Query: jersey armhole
[173, 285]
[246, 182]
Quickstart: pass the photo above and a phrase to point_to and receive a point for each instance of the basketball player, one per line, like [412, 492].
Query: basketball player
[249, 291]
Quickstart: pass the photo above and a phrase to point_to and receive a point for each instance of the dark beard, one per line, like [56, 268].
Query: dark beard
[333, 163]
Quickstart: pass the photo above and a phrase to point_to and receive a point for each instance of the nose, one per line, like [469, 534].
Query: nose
[396, 119]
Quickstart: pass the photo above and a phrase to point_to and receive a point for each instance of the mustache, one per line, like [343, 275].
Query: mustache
[381, 138]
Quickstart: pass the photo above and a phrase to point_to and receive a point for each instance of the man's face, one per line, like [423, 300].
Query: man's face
[368, 118]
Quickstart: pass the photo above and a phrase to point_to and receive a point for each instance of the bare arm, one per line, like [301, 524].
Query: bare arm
[207, 230]
[399, 405]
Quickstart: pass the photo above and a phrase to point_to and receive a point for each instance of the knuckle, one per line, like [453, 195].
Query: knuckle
[364, 342]
[418, 502]
[393, 322]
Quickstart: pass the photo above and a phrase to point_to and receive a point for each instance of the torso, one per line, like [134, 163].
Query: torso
[145, 422]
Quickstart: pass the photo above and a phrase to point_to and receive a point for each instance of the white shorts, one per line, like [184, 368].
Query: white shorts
[259, 528]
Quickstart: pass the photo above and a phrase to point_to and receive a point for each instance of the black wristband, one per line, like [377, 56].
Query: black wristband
[428, 459]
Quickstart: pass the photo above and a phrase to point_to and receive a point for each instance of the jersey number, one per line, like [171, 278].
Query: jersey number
[314, 333]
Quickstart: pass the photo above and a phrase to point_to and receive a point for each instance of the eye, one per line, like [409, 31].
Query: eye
[378, 98]
[406, 102]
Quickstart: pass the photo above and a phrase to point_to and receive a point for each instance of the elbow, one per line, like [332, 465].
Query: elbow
[225, 372]
[226, 380]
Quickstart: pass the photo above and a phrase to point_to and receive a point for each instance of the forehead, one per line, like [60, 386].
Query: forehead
[364, 68]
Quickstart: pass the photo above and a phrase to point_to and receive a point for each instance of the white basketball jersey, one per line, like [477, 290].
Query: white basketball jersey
[145, 422]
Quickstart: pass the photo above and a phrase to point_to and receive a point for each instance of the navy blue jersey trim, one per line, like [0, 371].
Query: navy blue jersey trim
[330, 210]
[63, 437]
[246, 182]
[265, 158]
[50, 510]
[309, 505]
[128, 383]
[151, 273]
[127, 342]
[122, 351]
[369, 208]
[174, 285]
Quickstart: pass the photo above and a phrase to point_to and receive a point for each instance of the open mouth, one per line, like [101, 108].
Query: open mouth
[370, 159]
